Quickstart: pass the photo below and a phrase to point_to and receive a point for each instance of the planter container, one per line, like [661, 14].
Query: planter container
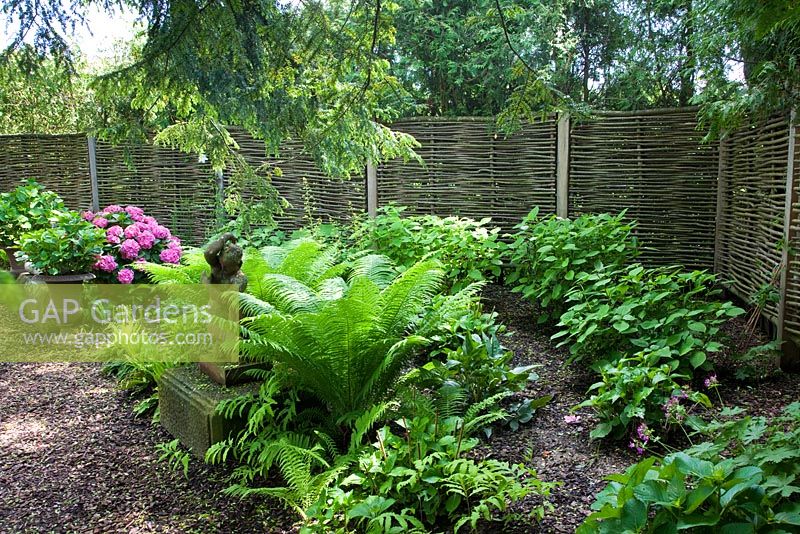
[59, 279]
[17, 268]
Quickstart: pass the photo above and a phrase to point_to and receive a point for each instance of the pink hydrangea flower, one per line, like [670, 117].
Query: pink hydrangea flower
[170, 255]
[137, 214]
[146, 240]
[132, 231]
[100, 222]
[114, 235]
[174, 242]
[87, 215]
[125, 276]
[160, 232]
[106, 263]
[129, 249]
[149, 221]
[113, 208]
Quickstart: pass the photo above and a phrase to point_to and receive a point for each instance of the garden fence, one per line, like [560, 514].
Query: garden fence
[731, 206]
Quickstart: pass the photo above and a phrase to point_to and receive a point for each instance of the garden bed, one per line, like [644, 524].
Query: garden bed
[563, 451]
[75, 458]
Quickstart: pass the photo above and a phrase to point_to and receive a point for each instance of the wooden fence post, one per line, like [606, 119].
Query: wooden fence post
[562, 167]
[372, 189]
[788, 217]
[220, 183]
[722, 191]
[92, 144]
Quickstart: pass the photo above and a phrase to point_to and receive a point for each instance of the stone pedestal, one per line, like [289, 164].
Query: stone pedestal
[188, 400]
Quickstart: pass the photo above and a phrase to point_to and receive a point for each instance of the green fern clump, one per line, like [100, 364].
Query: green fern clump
[347, 340]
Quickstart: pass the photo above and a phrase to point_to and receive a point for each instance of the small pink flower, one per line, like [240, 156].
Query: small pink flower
[137, 214]
[170, 255]
[635, 445]
[711, 381]
[106, 263]
[125, 276]
[132, 231]
[100, 222]
[146, 240]
[129, 249]
[113, 208]
[174, 242]
[87, 215]
[572, 419]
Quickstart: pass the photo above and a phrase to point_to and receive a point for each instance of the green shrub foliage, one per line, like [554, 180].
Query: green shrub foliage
[742, 479]
[548, 256]
[409, 475]
[618, 312]
[27, 208]
[70, 246]
[415, 475]
[469, 250]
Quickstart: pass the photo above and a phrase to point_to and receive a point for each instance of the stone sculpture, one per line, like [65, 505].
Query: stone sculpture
[225, 258]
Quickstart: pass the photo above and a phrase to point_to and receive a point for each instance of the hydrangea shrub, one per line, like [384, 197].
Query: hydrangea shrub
[131, 237]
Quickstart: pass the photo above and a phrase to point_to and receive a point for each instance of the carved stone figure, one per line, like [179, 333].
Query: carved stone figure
[225, 258]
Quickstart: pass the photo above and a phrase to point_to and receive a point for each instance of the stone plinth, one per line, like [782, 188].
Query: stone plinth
[188, 399]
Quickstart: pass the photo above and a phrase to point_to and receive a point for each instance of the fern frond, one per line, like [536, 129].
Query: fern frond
[288, 294]
[406, 296]
[252, 306]
[376, 267]
[489, 402]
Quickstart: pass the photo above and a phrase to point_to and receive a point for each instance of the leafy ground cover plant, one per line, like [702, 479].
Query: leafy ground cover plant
[466, 350]
[548, 256]
[469, 250]
[415, 475]
[646, 388]
[742, 479]
[409, 475]
[70, 246]
[28, 208]
[614, 312]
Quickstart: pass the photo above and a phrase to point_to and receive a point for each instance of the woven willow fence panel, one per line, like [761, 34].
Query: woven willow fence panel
[169, 185]
[470, 171]
[60, 162]
[752, 211]
[308, 191]
[654, 165]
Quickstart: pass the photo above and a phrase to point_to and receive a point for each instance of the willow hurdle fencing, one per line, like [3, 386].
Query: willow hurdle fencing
[730, 206]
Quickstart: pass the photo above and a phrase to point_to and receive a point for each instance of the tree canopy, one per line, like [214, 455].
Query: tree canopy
[333, 73]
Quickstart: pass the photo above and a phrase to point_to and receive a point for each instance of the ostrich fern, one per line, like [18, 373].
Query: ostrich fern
[347, 350]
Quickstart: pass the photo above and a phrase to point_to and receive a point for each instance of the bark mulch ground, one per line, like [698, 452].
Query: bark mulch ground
[75, 459]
